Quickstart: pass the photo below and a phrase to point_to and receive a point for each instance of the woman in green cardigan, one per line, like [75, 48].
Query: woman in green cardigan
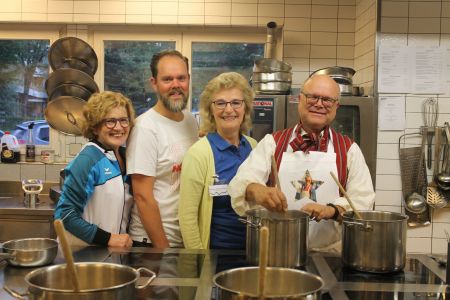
[206, 217]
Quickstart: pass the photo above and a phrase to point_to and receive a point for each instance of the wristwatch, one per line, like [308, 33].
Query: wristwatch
[336, 211]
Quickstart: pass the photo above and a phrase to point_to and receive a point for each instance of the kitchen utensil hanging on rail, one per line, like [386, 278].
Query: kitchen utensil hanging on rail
[430, 110]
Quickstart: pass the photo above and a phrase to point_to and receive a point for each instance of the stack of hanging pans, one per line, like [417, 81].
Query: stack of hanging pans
[74, 64]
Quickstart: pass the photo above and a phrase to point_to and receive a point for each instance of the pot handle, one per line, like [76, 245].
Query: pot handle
[15, 294]
[152, 276]
[6, 256]
[253, 225]
[362, 226]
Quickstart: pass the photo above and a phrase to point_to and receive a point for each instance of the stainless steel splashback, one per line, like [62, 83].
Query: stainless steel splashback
[356, 117]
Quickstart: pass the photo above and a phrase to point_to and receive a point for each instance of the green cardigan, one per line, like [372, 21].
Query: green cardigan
[195, 204]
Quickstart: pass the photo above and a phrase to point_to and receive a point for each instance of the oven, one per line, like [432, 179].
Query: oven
[356, 117]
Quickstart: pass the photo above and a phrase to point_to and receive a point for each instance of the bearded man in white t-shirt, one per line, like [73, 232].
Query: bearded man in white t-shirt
[155, 151]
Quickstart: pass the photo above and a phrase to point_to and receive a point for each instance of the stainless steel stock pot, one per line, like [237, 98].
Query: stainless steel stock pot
[288, 237]
[376, 243]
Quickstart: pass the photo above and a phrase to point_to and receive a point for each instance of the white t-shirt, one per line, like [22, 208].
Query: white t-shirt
[156, 148]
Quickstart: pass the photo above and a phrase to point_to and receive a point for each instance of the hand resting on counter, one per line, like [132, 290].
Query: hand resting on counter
[120, 241]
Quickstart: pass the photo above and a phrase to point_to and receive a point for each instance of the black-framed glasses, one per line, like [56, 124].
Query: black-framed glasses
[312, 99]
[222, 104]
[110, 123]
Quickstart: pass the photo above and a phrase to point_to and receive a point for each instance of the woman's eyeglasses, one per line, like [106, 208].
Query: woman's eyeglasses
[110, 123]
[222, 104]
[327, 102]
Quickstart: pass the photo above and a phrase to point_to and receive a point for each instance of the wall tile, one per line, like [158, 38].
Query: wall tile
[418, 245]
[345, 38]
[191, 9]
[389, 182]
[389, 208]
[345, 52]
[297, 24]
[32, 17]
[445, 25]
[32, 171]
[319, 63]
[217, 20]
[439, 229]
[164, 9]
[420, 232]
[86, 7]
[424, 25]
[86, 18]
[270, 10]
[244, 10]
[329, 25]
[299, 51]
[346, 25]
[10, 16]
[442, 215]
[244, 21]
[34, 6]
[52, 172]
[298, 64]
[116, 19]
[138, 8]
[297, 11]
[394, 9]
[324, 11]
[439, 246]
[156, 19]
[387, 151]
[446, 9]
[388, 198]
[191, 20]
[388, 166]
[9, 172]
[324, 38]
[60, 7]
[262, 21]
[218, 9]
[394, 25]
[295, 37]
[346, 12]
[112, 8]
[138, 19]
[60, 18]
[426, 9]
[297, 1]
[11, 6]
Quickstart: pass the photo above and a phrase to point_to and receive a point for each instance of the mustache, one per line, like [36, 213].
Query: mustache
[176, 91]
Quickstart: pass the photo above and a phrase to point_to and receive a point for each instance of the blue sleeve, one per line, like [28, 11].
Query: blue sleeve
[78, 188]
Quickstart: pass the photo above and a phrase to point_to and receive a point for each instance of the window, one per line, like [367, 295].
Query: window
[211, 59]
[23, 70]
[127, 70]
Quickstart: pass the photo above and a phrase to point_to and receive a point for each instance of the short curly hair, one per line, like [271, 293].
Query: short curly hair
[98, 106]
[225, 81]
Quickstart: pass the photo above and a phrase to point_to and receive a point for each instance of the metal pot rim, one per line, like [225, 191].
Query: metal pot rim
[346, 216]
[6, 245]
[45, 269]
[269, 268]
[289, 215]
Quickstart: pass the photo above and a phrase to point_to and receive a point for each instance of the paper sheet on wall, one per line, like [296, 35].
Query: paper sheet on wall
[428, 72]
[393, 69]
[412, 69]
[391, 114]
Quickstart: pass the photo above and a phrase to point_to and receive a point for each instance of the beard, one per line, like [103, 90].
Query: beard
[174, 106]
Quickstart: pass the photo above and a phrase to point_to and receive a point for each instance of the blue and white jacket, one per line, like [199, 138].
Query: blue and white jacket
[95, 199]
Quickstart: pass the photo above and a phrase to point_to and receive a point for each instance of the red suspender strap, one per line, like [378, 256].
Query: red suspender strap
[342, 144]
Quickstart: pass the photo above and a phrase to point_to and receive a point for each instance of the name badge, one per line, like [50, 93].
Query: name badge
[218, 190]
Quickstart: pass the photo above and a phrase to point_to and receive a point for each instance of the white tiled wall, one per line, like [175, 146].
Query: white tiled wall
[413, 23]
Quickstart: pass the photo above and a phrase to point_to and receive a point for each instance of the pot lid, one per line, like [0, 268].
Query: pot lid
[336, 70]
[70, 89]
[70, 76]
[72, 52]
[65, 114]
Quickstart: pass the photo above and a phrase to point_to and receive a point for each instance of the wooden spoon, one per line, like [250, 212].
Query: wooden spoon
[60, 231]
[263, 257]
[341, 188]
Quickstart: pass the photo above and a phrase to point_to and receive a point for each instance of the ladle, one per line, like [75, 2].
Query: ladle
[435, 198]
[263, 258]
[416, 202]
[60, 232]
[341, 188]
[443, 177]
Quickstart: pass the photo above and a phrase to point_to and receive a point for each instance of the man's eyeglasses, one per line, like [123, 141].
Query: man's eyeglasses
[110, 123]
[222, 104]
[312, 99]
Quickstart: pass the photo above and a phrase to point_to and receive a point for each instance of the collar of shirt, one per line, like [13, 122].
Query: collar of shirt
[221, 143]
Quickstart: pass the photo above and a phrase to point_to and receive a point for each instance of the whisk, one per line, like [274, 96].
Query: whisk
[430, 110]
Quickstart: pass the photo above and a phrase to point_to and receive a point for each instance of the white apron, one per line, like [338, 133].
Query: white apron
[323, 189]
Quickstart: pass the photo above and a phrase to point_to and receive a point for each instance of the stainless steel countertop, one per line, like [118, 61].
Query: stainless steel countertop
[13, 205]
[13, 277]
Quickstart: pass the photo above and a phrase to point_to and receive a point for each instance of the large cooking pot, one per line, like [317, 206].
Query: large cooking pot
[33, 252]
[70, 89]
[376, 243]
[274, 87]
[271, 65]
[98, 281]
[281, 283]
[288, 238]
[271, 76]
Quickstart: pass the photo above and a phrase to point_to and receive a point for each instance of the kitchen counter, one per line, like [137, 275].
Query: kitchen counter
[187, 274]
[14, 205]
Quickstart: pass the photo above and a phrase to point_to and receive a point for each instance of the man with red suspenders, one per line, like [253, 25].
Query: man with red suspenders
[309, 149]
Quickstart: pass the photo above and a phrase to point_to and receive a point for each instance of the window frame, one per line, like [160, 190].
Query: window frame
[30, 32]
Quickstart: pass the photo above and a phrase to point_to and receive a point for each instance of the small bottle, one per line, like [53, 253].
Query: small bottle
[30, 149]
